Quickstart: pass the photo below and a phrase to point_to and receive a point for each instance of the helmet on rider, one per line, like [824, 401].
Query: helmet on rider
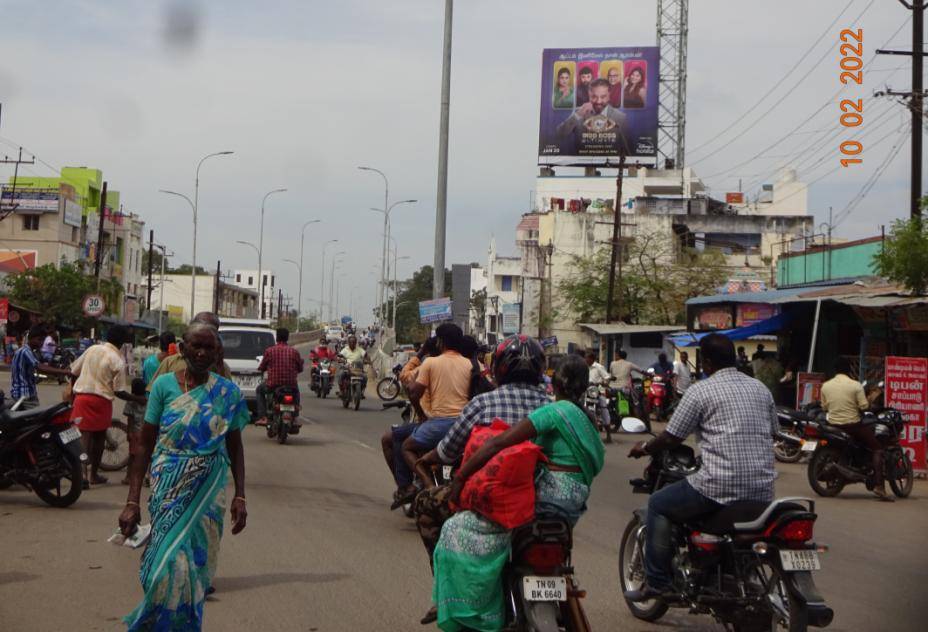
[520, 359]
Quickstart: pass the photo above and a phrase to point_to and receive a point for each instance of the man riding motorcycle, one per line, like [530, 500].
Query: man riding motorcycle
[518, 363]
[735, 419]
[320, 352]
[599, 376]
[352, 354]
[283, 364]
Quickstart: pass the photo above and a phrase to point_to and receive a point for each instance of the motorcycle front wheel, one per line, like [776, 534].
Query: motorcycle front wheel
[899, 473]
[631, 572]
[825, 483]
[67, 489]
[116, 449]
[387, 389]
[357, 397]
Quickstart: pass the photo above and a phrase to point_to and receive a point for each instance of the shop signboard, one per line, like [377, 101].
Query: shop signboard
[597, 103]
[510, 313]
[72, 213]
[41, 200]
[906, 390]
[434, 311]
[714, 318]
[751, 313]
[808, 388]
[736, 197]
[549, 342]
[4, 310]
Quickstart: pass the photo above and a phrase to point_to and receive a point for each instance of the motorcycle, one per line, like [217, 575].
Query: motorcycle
[748, 565]
[406, 413]
[61, 359]
[657, 395]
[541, 592]
[389, 387]
[796, 427]
[40, 449]
[838, 460]
[352, 387]
[321, 380]
[591, 402]
[283, 410]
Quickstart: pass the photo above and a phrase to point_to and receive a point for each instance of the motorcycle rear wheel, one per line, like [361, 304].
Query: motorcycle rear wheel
[72, 472]
[786, 451]
[631, 572]
[900, 482]
[387, 389]
[282, 433]
[786, 611]
[116, 451]
[820, 459]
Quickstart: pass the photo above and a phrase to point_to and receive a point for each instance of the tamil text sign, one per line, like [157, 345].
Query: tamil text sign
[435, 311]
[906, 383]
[751, 313]
[510, 317]
[42, 200]
[597, 103]
[808, 388]
[72, 213]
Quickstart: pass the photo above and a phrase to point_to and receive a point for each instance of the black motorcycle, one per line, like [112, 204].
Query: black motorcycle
[283, 409]
[40, 449]
[321, 378]
[798, 428]
[749, 565]
[389, 387]
[838, 460]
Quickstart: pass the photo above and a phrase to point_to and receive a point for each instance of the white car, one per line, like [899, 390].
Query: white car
[243, 347]
[334, 333]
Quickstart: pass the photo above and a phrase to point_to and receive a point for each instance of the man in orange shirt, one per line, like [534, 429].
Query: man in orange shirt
[446, 381]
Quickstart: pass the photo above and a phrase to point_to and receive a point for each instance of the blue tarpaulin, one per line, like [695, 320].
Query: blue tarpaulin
[768, 326]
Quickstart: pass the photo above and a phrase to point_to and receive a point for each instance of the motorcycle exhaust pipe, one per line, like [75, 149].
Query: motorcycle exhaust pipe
[849, 474]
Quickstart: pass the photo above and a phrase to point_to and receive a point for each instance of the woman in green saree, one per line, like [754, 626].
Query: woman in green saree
[472, 550]
[192, 434]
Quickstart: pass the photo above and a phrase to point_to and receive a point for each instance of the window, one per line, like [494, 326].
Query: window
[251, 281]
[506, 283]
[238, 278]
[30, 222]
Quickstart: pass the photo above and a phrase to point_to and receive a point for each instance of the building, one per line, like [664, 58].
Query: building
[503, 306]
[234, 300]
[819, 262]
[248, 279]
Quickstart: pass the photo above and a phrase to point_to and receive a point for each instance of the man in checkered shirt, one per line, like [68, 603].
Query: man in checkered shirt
[283, 364]
[735, 419]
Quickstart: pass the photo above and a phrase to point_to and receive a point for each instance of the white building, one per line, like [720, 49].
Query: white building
[503, 282]
[248, 279]
[234, 301]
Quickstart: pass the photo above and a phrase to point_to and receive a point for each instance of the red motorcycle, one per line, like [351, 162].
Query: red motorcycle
[657, 394]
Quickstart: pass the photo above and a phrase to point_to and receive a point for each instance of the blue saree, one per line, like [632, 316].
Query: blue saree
[189, 470]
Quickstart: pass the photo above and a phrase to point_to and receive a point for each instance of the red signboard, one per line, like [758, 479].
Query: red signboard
[4, 310]
[808, 388]
[906, 383]
[715, 318]
[734, 198]
[750, 313]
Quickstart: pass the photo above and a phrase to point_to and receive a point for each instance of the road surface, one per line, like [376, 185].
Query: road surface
[323, 552]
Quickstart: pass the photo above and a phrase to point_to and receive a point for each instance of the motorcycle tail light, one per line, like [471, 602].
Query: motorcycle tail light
[288, 399]
[705, 541]
[544, 558]
[795, 531]
[64, 417]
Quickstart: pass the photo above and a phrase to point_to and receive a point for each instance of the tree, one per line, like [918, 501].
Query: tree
[904, 258]
[57, 293]
[411, 291]
[656, 283]
[185, 269]
[478, 305]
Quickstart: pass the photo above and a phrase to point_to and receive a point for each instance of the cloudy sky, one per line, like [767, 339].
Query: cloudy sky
[304, 92]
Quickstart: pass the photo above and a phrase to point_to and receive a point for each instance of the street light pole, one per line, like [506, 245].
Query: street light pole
[299, 293]
[393, 318]
[322, 302]
[332, 283]
[438, 278]
[383, 250]
[298, 300]
[261, 249]
[384, 270]
[248, 243]
[196, 201]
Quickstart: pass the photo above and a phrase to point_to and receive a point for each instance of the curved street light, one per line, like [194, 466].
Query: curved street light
[261, 248]
[322, 300]
[299, 292]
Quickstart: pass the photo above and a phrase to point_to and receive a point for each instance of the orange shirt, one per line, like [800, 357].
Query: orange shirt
[446, 379]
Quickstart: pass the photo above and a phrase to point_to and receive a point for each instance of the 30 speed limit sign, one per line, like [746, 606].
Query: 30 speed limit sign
[93, 305]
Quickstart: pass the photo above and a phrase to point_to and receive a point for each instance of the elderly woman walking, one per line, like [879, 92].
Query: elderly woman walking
[192, 434]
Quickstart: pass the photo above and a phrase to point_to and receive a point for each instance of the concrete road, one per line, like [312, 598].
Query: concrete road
[323, 552]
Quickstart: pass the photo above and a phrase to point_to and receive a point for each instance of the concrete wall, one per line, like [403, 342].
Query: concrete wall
[853, 259]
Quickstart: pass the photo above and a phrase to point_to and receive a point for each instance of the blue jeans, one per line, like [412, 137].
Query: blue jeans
[401, 471]
[429, 433]
[674, 504]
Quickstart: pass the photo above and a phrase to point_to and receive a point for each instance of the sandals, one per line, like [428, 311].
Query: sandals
[400, 499]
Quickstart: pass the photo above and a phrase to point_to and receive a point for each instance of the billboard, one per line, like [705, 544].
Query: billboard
[510, 320]
[596, 103]
[435, 311]
[906, 382]
[42, 200]
[73, 212]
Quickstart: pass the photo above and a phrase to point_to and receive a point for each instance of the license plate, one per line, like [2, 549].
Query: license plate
[800, 560]
[446, 472]
[286, 408]
[245, 381]
[69, 435]
[809, 446]
[324, 372]
[544, 588]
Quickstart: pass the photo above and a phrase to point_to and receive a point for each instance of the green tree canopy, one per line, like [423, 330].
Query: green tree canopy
[411, 291]
[656, 283]
[57, 293]
[904, 259]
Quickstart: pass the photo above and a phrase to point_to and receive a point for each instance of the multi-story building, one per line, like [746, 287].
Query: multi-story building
[234, 301]
[248, 279]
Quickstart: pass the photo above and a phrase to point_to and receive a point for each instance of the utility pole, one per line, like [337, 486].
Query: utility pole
[151, 264]
[441, 208]
[917, 7]
[19, 161]
[216, 289]
[98, 255]
[616, 246]
[280, 304]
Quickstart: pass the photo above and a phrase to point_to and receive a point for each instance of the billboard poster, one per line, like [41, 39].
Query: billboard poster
[42, 200]
[72, 213]
[434, 311]
[596, 103]
[906, 383]
[808, 388]
[751, 313]
[4, 310]
[714, 318]
[736, 197]
[510, 314]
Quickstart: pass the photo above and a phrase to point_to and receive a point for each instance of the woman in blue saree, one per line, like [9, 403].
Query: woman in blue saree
[192, 434]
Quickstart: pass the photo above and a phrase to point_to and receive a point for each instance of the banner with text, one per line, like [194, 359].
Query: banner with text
[906, 390]
[435, 311]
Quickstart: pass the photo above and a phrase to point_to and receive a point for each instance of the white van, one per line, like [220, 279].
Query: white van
[243, 347]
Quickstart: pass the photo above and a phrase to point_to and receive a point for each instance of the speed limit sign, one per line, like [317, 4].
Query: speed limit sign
[93, 305]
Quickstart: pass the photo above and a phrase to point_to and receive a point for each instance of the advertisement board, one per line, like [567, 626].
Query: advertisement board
[4, 310]
[736, 197]
[808, 388]
[906, 383]
[435, 311]
[750, 313]
[510, 313]
[597, 103]
[42, 200]
[72, 213]
[714, 318]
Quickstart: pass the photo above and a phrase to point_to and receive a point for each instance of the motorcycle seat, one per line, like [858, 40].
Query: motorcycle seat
[11, 419]
[743, 517]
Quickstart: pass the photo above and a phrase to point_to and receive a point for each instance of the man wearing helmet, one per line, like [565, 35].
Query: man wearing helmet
[518, 365]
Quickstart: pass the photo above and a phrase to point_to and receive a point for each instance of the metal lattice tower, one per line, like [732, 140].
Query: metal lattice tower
[672, 33]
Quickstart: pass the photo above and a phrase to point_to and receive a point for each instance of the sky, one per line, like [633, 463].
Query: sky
[304, 92]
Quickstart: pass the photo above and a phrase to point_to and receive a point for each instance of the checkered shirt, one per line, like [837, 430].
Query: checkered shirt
[734, 418]
[282, 363]
[22, 378]
[510, 402]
